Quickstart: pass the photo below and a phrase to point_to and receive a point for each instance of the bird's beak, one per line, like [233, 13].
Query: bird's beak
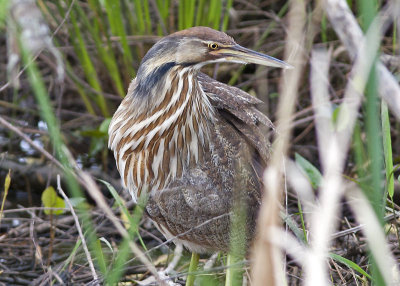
[238, 53]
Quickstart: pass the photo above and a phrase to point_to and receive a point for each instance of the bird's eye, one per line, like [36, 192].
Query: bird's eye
[213, 46]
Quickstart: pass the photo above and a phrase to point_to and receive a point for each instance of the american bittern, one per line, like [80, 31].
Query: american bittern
[187, 139]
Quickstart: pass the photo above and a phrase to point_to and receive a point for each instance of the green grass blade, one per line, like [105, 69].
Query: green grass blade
[3, 12]
[394, 38]
[312, 173]
[225, 21]
[324, 36]
[81, 90]
[96, 30]
[234, 271]
[100, 258]
[130, 16]
[303, 225]
[39, 90]
[194, 262]
[147, 18]
[387, 150]
[189, 13]
[214, 14]
[163, 10]
[349, 264]
[372, 123]
[238, 237]
[181, 15]
[139, 17]
[200, 12]
[72, 254]
[360, 156]
[291, 223]
[85, 98]
[87, 64]
[113, 9]
[124, 252]
[373, 132]
[117, 199]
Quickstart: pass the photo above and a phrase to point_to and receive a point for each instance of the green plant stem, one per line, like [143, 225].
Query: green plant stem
[303, 225]
[200, 14]
[234, 271]
[61, 150]
[376, 193]
[97, 31]
[140, 17]
[194, 262]
[387, 150]
[134, 220]
[372, 122]
[87, 63]
[113, 9]
[225, 21]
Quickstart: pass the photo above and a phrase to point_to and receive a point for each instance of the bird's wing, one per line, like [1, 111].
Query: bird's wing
[239, 108]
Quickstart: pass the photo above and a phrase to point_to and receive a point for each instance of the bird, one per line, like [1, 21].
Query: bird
[192, 145]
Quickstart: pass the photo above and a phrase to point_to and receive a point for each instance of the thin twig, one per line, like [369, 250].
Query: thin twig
[95, 193]
[172, 239]
[30, 142]
[38, 249]
[87, 181]
[78, 226]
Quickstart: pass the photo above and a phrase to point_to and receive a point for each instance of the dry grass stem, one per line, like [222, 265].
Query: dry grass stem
[87, 181]
[320, 62]
[345, 25]
[322, 221]
[38, 249]
[78, 226]
[333, 144]
[267, 265]
[177, 256]
[301, 184]
[365, 214]
[95, 193]
[30, 141]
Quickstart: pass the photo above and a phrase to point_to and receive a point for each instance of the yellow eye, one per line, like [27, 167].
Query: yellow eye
[213, 46]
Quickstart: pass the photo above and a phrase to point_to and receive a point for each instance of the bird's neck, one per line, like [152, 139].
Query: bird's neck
[155, 138]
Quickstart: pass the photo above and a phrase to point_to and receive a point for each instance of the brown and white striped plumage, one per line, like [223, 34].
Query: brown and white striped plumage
[152, 142]
[192, 143]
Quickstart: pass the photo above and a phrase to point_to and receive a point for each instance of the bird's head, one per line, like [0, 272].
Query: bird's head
[196, 47]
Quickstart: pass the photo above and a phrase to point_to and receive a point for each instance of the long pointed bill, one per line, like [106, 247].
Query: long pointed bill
[239, 53]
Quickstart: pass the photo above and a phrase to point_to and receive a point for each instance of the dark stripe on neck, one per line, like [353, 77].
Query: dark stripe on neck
[188, 64]
[146, 83]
